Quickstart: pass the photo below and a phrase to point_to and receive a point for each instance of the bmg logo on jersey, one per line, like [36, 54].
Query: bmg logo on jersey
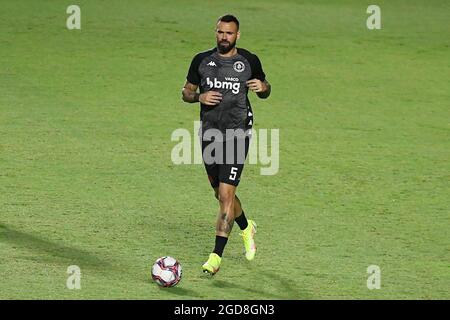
[233, 86]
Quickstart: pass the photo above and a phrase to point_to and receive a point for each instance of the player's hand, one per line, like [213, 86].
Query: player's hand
[256, 85]
[210, 98]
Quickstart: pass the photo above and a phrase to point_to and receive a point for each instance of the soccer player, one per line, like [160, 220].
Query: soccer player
[224, 75]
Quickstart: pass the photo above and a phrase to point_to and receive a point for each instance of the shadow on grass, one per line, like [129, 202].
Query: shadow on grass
[272, 280]
[49, 250]
[182, 292]
[287, 286]
[178, 291]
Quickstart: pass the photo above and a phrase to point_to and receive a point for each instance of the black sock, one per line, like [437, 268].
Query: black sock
[220, 245]
[242, 221]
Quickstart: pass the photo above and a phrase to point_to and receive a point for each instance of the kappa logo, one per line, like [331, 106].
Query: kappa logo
[212, 64]
[239, 66]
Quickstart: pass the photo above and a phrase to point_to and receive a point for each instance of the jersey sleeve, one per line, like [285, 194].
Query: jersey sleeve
[193, 75]
[257, 70]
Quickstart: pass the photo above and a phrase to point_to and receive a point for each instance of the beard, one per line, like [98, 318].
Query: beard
[225, 46]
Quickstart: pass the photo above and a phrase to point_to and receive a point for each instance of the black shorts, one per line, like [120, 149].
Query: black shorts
[224, 160]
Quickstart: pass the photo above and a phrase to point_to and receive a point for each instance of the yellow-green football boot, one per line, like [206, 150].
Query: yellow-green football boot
[212, 266]
[248, 234]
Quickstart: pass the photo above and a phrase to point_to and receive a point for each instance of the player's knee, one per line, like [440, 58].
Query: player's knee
[226, 198]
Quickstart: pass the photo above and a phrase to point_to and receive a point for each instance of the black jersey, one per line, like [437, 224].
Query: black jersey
[227, 75]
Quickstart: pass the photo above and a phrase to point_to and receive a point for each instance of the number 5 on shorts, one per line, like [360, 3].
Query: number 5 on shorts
[233, 173]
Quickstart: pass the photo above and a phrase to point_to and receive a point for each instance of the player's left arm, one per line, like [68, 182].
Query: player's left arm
[261, 88]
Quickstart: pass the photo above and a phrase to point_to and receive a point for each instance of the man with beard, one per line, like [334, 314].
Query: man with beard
[224, 75]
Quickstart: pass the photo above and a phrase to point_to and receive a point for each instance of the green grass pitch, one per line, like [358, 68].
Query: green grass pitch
[86, 176]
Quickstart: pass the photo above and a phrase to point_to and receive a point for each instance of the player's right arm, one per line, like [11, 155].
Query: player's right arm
[190, 95]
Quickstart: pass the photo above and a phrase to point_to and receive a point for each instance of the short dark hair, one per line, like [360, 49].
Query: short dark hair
[229, 18]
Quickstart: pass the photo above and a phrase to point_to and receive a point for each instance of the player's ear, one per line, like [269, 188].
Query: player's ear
[238, 35]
